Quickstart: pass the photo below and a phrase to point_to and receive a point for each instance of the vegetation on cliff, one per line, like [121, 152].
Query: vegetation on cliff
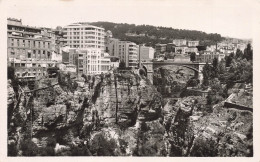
[151, 35]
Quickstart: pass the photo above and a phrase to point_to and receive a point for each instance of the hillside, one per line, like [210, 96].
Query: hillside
[150, 35]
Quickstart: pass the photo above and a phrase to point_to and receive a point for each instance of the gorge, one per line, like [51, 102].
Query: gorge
[121, 113]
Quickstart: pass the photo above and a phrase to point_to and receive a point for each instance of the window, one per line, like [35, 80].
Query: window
[12, 51]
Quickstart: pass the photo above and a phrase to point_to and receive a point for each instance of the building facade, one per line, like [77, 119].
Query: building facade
[203, 58]
[29, 51]
[88, 61]
[146, 53]
[81, 35]
[180, 42]
[126, 51]
[193, 43]
[160, 48]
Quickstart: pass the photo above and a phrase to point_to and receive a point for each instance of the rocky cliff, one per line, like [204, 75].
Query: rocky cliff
[171, 80]
[120, 114]
[75, 111]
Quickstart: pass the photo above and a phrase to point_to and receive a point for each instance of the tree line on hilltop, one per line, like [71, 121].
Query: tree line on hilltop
[152, 35]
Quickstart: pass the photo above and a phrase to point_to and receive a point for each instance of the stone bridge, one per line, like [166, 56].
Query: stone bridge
[149, 67]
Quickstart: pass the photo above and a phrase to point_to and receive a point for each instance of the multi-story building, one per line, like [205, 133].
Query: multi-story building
[193, 43]
[82, 35]
[180, 42]
[125, 50]
[28, 50]
[146, 53]
[128, 53]
[209, 57]
[112, 47]
[87, 61]
[159, 49]
[181, 49]
[191, 50]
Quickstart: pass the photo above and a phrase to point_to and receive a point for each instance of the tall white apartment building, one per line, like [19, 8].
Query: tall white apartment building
[81, 35]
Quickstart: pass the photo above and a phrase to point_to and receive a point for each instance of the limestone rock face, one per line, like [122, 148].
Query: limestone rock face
[121, 114]
[67, 112]
[171, 81]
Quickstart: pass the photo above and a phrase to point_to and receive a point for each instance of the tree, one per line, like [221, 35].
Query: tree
[215, 68]
[206, 74]
[248, 52]
[193, 56]
[222, 66]
[122, 65]
[228, 60]
[10, 73]
[193, 82]
[100, 146]
[239, 53]
[29, 148]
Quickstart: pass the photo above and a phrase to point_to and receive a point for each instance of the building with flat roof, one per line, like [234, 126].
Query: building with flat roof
[29, 50]
[88, 61]
[146, 53]
[193, 43]
[125, 50]
[180, 42]
[160, 49]
[82, 35]
[209, 57]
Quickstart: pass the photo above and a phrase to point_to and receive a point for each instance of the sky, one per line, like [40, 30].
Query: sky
[226, 17]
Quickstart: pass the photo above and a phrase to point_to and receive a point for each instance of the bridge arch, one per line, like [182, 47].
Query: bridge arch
[145, 69]
[149, 67]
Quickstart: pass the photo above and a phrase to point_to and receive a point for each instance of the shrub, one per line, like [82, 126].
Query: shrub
[29, 148]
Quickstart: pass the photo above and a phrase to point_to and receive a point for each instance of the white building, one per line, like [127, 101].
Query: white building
[146, 53]
[180, 42]
[80, 35]
[87, 61]
[193, 43]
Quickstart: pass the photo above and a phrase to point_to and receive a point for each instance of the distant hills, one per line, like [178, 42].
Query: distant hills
[150, 35]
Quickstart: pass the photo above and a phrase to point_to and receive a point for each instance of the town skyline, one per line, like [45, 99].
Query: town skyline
[221, 17]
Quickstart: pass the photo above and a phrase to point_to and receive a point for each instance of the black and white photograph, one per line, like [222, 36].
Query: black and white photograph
[130, 78]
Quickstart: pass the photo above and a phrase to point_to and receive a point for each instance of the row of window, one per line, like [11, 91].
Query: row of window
[85, 46]
[97, 38]
[83, 28]
[28, 43]
[34, 52]
[24, 29]
[30, 74]
[84, 33]
[87, 41]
